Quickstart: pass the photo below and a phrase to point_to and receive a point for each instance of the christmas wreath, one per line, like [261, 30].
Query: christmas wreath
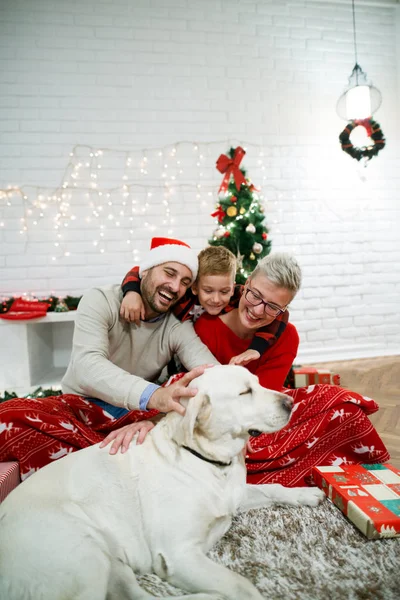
[373, 131]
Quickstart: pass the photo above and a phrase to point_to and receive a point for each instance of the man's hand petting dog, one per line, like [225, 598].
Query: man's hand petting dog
[165, 399]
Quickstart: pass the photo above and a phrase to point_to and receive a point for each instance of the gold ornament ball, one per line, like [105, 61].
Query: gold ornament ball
[252, 257]
[242, 210]
[231, 211]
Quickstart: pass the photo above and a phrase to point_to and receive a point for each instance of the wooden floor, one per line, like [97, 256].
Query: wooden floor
[378, 378]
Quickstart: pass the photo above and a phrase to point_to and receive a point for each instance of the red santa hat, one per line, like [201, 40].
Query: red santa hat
[164, 250]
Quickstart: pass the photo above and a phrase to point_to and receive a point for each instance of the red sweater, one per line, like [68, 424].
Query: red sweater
[271, 368]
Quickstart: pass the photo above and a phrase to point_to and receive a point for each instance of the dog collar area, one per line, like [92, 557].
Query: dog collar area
[209, 460]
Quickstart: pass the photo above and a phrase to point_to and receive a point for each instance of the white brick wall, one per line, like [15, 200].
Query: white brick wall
[138, 78]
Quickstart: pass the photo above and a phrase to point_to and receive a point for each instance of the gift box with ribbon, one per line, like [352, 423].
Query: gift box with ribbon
[9, 478]
[304, 376]
[369, 496]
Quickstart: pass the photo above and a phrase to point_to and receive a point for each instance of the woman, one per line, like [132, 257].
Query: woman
[278, 278]
[329, 425]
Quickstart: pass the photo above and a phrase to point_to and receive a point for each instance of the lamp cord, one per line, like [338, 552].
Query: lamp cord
[355, 39]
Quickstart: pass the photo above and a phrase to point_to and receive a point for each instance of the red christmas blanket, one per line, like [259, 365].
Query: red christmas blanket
[36, 431]
[328, 426]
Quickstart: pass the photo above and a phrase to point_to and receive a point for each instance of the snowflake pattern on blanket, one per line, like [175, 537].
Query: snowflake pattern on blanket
[329, 426]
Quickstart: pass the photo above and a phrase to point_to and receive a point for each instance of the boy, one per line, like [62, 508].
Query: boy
[213, 291]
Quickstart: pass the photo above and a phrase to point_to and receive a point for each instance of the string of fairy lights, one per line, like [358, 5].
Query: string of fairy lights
[108, 195]
[117, 190]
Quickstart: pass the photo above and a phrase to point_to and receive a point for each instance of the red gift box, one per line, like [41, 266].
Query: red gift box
[9, 478]
[369, 495]
[304, 376]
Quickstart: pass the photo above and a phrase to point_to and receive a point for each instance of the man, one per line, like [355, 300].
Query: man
[115, 363]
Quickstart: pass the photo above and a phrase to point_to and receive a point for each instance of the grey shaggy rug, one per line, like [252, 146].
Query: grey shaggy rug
[304, 554]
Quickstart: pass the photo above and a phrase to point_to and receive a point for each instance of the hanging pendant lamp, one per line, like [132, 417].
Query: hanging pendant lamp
[356, 105]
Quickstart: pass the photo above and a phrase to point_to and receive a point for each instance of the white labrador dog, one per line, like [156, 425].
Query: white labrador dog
[81, 527]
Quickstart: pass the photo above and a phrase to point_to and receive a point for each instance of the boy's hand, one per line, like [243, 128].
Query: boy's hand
[122, 437]
[245, 357]
[132, 308]
[167, 398]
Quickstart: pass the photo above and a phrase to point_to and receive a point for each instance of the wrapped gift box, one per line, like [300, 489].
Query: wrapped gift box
[304, 376]
[9, 478]
[369, 495]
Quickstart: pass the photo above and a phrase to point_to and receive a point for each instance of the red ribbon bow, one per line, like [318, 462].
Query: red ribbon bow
[219, 213]
[365, 123]
[230, 166]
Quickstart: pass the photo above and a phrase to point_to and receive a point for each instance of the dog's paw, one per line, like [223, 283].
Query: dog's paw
[310, 496]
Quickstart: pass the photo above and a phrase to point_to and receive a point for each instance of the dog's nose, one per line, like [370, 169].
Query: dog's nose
[287, 402]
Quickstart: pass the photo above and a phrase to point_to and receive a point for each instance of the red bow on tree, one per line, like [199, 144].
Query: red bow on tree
[230, 166]
[219, 213]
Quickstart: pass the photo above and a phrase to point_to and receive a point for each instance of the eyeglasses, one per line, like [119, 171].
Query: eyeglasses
[271, 309]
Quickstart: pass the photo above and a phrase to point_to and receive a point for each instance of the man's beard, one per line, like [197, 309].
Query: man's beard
[151, 297]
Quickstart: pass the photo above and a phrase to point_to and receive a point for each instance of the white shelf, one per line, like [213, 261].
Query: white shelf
[51, 317]
[35, 352]
[59, 317]
[52, 378]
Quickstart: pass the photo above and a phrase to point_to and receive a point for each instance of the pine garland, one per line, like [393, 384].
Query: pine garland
[70, 302]
[38, 393]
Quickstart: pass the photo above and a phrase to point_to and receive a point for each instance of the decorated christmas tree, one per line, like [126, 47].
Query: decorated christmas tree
[240, 216]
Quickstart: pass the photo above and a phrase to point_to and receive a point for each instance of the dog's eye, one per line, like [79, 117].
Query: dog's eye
[245, 392]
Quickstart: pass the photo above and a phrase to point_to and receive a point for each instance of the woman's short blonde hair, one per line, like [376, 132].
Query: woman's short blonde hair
[282, 269]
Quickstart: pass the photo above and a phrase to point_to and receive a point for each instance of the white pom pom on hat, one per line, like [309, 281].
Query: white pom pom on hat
[164, 250]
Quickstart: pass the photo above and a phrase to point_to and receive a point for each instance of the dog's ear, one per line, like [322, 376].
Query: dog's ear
[197, 411]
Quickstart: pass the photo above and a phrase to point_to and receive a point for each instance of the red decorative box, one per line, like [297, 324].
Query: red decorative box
[304, 376]
[369, 495]
[22, 309]
[9, 478]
